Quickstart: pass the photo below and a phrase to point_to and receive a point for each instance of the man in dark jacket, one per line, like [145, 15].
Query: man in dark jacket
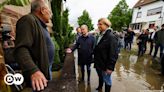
[159, 41]
[34, 48]
[129, 39]
[142, 40]
[85, 46]
[151, 39]
[105, 53]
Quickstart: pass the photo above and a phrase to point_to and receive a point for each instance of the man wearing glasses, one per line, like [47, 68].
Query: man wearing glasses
[105, 54]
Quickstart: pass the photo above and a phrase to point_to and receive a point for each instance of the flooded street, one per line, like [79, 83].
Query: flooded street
[132, 74]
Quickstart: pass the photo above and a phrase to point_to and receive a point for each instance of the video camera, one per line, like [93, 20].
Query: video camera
[6, 33]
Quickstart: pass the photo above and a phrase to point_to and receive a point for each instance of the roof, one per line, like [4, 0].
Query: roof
[143, 2]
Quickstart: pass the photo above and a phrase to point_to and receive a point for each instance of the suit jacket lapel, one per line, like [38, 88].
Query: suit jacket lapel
[104, 36]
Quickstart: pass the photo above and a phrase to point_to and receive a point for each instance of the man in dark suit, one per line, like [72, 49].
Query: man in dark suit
[151, 39]
[159, 41]
[105, 54]
[129, 38]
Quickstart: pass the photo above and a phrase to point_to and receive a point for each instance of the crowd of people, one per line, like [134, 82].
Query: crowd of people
[145, 39]
[100, 49]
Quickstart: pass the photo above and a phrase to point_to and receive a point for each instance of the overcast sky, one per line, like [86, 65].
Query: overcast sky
[96, 9]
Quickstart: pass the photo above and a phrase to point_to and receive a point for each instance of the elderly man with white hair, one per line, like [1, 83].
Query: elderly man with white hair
[34, 50]
[105, 54]
[85, 45]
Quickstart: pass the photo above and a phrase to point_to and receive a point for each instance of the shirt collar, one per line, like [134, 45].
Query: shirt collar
[102, 33]
[86, 35]
[42, 23]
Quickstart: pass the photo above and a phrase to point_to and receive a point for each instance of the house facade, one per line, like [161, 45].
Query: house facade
[147, 14]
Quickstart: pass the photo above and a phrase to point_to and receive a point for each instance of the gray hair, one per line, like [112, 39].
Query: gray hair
[36, 4]
[84, 26]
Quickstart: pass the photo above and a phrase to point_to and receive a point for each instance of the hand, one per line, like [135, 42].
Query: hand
[39, 82]
[108, 71]
[68, 50]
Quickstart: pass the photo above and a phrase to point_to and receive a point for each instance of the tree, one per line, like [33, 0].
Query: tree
[19, 2]
[14, 2]
[56, 6]
[85, 19]
[62, 30]
[67, 30]
[120, 16]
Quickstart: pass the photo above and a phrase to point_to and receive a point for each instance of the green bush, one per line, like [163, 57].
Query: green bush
[57, 64]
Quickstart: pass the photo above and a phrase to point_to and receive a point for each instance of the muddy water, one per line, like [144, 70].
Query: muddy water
[132, 74]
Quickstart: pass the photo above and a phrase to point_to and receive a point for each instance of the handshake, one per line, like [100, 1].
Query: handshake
[68, 50]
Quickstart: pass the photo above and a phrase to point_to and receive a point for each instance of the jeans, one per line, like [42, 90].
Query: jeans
[50, 71]
[107, 78]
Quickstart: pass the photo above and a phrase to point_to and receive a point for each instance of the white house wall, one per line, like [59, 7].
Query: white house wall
[144, 18]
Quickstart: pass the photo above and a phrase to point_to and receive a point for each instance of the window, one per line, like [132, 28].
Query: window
[154, 11]
[139, 14]
[137, 26]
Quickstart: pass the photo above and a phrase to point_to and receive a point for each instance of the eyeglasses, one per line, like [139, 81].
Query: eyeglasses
[100, 24]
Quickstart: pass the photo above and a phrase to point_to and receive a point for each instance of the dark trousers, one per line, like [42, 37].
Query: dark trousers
[128, 45]
[141, 49]
[101, 81]
[151, 47]
[83, 71]
[107, 88]
[145, 47]
[157, 46]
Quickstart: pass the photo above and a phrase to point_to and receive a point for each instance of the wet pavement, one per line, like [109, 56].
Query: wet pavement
[132, 74]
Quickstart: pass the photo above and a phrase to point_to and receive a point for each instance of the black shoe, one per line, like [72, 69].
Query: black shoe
[98, 88]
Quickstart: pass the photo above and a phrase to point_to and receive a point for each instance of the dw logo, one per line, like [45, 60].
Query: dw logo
[11, 79]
